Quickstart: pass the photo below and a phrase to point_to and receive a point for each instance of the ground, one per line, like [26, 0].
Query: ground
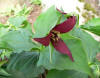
[32, 16]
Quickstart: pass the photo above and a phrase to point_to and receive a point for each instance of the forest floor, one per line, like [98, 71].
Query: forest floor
[31, 17]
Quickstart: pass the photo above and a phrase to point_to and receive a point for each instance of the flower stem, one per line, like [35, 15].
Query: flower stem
[50, 51]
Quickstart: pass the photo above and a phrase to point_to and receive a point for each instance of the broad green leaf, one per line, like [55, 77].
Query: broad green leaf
[66, 36]
[17, 41]
[66, 74]
[61, 62]
[24, 65]
[3, 31]
[45, 22]
[90, 45]
[93, 26]
[3, 72]
[16, 21]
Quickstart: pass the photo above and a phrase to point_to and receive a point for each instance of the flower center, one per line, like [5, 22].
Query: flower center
[55, 35]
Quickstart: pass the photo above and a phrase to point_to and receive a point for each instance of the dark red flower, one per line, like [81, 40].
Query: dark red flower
[55, 39]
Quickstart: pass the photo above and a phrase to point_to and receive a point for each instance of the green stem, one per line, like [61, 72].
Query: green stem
[50, 51]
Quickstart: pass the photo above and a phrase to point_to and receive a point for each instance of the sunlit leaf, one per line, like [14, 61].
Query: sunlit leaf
[90, 45]
[93, 26]
[45, 22]
[16, 21]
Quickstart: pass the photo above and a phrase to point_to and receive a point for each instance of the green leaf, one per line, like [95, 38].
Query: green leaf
[66, 36]
[16, 21]
[62, 62]
[66, 74]
[24, 65]
[45, 22]
[3, 31]
[3, 72]
[90, 45]
[27, 26]
[17, 41]
[93, 26]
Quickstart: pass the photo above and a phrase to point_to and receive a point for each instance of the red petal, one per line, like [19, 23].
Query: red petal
[61, 47]
[66, 26]
[61, 11]
[45, 40]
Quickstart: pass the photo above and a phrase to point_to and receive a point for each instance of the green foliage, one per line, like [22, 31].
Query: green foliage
[90, 45]
[47, 21]
[5, 53]
[3, 73]
[93, 26]
[16, 21]
[66, 74]
[24, 65]
[27, 59]
[62, 62]
[24, 11]
[18, 41]
[15, 38]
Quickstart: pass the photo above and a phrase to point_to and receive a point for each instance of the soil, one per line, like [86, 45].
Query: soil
[32, 16]
[34, 13]
[3, 19]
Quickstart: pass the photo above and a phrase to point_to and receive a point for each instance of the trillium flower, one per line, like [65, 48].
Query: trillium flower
[54, 36]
